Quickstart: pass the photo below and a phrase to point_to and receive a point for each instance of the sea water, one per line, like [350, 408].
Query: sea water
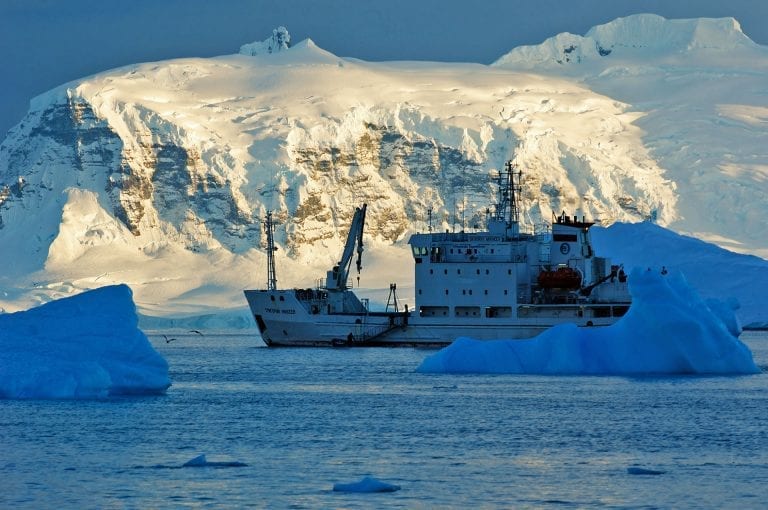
[302, 420]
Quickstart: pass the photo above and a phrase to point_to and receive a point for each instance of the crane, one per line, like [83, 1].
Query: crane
[337, 277]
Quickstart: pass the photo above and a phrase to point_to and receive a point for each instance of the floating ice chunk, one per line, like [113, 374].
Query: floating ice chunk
[643, 471]
[201, 461]
[84, 346]
[196, 462]
[367, 484]
[668, 329]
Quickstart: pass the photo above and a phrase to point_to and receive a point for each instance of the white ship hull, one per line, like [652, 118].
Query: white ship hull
[287, 322]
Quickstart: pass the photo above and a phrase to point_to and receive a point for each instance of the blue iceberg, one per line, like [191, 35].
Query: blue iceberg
[85, 346]
[367, 484]
[669, 329]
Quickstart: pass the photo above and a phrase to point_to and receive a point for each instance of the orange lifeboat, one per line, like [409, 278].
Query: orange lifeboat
[561, 278]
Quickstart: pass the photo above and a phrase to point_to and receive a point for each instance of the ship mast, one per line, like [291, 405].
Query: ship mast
[514, 195]
[507, 213]
[269, 227]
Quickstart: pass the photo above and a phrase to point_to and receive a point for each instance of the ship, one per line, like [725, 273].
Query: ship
[498, 283]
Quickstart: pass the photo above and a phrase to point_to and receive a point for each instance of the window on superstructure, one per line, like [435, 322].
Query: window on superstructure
[463, 292]
[486, 292]
[445, 271]
[458, 271]
[487, 272]
[478, 271]
[431, 271]
[509, 271]
[506, 292]
[470, 292]
[446, 292]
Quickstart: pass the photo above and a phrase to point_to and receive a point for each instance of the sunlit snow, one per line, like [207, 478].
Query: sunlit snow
[669, 329]
[84, 346]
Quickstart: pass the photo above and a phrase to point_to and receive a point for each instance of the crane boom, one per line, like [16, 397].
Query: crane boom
[337, 277]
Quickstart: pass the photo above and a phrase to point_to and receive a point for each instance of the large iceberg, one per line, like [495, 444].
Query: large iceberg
[669, 329]
[85, 346]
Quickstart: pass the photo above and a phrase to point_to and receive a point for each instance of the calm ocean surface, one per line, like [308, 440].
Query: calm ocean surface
[304, 419]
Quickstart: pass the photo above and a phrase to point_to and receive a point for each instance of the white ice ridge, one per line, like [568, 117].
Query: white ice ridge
[80, 347]
[669, 329]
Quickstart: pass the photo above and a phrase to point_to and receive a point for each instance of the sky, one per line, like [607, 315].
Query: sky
[44, 43]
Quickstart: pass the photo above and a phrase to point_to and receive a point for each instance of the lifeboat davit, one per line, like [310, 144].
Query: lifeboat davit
[561, 278]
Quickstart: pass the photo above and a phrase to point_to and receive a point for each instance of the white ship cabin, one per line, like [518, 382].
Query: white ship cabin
[489, 274]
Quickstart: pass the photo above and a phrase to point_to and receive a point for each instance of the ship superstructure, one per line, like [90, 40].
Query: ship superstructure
[498, 283]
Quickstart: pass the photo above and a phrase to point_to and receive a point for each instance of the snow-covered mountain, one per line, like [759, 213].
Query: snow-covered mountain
[158, 174]
[699, 89]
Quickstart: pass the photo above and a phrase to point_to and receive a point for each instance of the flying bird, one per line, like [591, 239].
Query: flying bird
[196, 331]
[168, 340]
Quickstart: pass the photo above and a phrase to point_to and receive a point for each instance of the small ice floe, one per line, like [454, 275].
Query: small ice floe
[643, 471]
[367, 484]
[201, 461]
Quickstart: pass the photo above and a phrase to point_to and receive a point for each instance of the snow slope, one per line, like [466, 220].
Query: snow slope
[157, 174]
[699, 88]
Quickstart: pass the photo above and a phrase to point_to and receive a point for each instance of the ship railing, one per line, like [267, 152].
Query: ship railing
[368, 333]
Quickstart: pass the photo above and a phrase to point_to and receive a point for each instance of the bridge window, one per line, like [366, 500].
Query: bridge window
[498, 311]
[433, 311]
[467, 311]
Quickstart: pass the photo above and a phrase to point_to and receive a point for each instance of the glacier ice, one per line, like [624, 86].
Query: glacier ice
[84, 346]
[367, 484]
[669, 329]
